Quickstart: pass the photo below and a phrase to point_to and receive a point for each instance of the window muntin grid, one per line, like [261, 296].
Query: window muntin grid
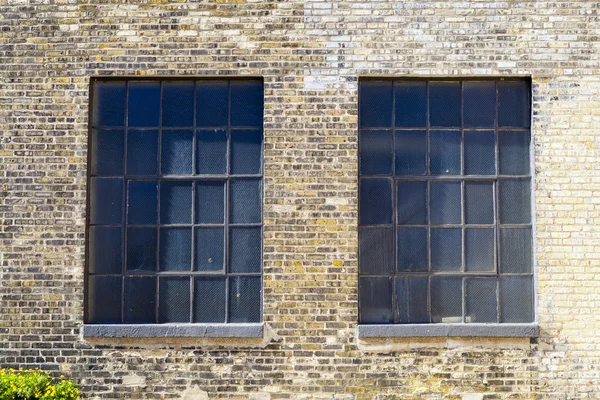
[445, 201]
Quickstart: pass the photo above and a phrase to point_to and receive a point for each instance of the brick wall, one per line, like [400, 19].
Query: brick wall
[310, 54]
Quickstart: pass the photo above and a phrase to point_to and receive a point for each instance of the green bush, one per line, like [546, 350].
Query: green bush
[35, 384]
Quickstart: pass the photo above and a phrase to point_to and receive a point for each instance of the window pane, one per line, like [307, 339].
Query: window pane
[142, 152]
[412, 203]
[107, 152]
[376, 249]
[141, 249]
[106, 201]
[375, 104]
[142, 202]
[516, 296]
[513, 152]
[479, 249]
[174, 299]
[109, 104]
[246, 103]
[210, 199]
[445, 204]
[411, 300]
[515, 201]
[479, 104]
[479, 203]
[515, 250]
[375, 300]
[446, 299]
[444, 103]
[175, 249]
[444, 152]
[245, 299]
[412, 249]
[140, 300]
[480, 153]
[105, 250]
[481, 301]
[375, 201]
[104, 299]
[411, 104]
[411, 152]
[376, 151]
[175, 202]
[446, 249]
[144, 104]
[212, 103]
[245, 201]
[178, 103]
[245, 250]
[209, 299]
[176, 155]
[209, 249]
[211, 152]
[513, 104]
[246, 150]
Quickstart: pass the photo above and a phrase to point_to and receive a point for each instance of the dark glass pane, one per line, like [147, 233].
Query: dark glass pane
[176, 155]
[104, 299]
[479, 249]
[174, 299]
[106, 201]
[142, 152]
[211, 152]
[444, 152]
[481, 303]
[175, 202]
[412, 197]
[142, 202]
[412, 249]
[516, 298]
[479, 104]
[376, 250]
[411, 152]
[247, 103]
[515, 250]
[107, 153]
[245, 299]
[411, 300]
[212, 103]
[144, 104]
[411, 104]
[209, 249]
[178, 103]
[209, 299]
[105, 250]
[141, 249]
[444, 198]
[140, 300]
[446, 299]
[444, 103]
[375, 104]
[515, 201]
[513, 152]
[210, 198]
[109, 104]
[480, 153]
[246, 152]
[446, 249]
[375, 199]
[375, 300]
[175, 249]
[376, 151]
[245, 201]
[245, 250]
[513, 104]
[479, 202]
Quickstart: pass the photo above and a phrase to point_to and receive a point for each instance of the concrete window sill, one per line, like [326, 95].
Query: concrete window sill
[253, 330]
[447, 330]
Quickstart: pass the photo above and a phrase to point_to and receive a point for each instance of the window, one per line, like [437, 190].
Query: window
[445, 233]
[175, 201]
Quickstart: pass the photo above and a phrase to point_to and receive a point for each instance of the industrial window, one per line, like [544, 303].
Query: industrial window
[445, 231]
[175, 201]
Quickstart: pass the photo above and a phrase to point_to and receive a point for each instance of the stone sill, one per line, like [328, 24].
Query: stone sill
[448, 330]
[253, 330]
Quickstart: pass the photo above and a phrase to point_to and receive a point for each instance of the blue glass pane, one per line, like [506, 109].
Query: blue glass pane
[105, 250]
[176, 156]
[412, 196]
[245, 201]
[245, 250]
[376, 152]
[515, 250]
[144, 104]
[376, 250]
[513, 152]
[444, 152]
[480, 153]
[514, 107]
[516, 298]
[411, 104]
[209, 299]
[444, 200]
[212, 103]
[174, 299]
[444, 103]
[176, 202]
[109, 104]
[515, 201]
[107, 153]
[375, 300]
[446, 249]
[411, 152]
[412, 249]
[211, 152]
[142, 152]
[141, 249]
[246, 103]
[246, 152]
[140, 300]
[479, 203]
[142, 203]
[446, 299]
[175, 249]
[245, 299]
[479, 104]
[479, 249]
[104, 299]
[210, 202]
[106, 201]
[210, 253]
[481, 303]
[375, 199]
[178, 103]
[411, 300]
[375, 104]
